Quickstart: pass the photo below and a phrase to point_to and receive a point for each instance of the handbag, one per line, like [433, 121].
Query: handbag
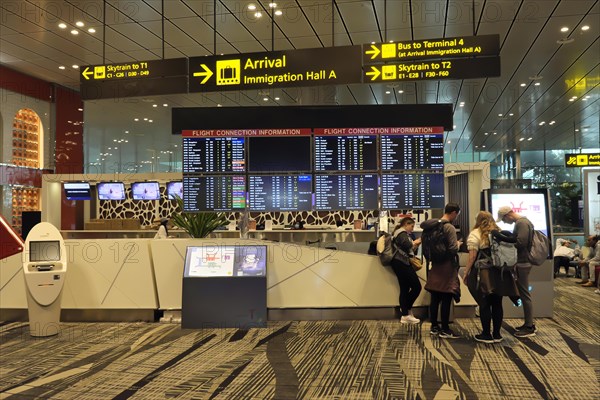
[416, 263]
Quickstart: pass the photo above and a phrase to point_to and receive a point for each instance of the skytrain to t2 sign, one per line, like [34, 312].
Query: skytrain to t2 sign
[274, 69]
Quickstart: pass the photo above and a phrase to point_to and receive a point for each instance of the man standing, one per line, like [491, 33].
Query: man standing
[523, 231]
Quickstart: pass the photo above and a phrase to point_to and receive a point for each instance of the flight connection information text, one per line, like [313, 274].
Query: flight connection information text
[280, 192]
[214, 193]
[345, 153]
[346, 192]
[406, 191]
[213, 154]
[412, 152]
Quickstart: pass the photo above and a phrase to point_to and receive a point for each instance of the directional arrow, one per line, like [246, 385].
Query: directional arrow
[86, 73]
[374, 73]
[375, 52]
[206, 74]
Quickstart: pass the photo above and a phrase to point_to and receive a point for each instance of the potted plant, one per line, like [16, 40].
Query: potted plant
[197, 225]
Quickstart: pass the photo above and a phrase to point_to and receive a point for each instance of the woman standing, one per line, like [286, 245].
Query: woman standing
[410, 287]
[488, 284]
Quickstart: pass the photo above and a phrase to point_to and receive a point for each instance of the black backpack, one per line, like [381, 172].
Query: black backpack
[434, 241]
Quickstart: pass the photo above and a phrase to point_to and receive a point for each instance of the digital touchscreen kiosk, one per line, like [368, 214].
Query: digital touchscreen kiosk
[225, 261]
[174, 190]
[145, 191]
[48, 250]
[530, 203]
[111, 191]
[77, 191]
[279, 154]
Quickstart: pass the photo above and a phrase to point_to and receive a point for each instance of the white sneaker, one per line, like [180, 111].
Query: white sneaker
[409, 319]
[597, 291]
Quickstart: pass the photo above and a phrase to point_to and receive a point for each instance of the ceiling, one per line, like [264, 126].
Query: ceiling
[547, 96]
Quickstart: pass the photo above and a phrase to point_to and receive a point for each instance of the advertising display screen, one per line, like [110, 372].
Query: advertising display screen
[412, 152]
[530, 203]
[48, 250]
[77, 191]
[411, 191]
[279, 154]
[280, 192]
[346, 153]
[225, 261]
[214, 193]
[346, 192]
[174, 190]
[145, 191]
[110, 191]
[213, 154]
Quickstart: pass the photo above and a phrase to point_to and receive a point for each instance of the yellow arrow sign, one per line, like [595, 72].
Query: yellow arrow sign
[374, 73]
[207, 73]
[86, 73]
[374, 52]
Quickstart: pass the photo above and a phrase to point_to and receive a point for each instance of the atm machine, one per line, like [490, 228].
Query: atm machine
[45, 269]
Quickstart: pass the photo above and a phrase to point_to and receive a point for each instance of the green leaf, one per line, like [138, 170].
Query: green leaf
[197, 225]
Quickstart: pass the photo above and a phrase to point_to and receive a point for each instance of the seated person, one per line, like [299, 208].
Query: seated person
[564, 254]
[588, 265]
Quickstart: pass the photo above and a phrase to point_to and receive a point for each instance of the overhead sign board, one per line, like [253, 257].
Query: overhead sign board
[467, 46]
[582, 160]
[462, 68]
[304, 67]
[136, 78]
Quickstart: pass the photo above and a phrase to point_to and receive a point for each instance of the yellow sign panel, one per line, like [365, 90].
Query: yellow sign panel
[229, 72]
[582, 160]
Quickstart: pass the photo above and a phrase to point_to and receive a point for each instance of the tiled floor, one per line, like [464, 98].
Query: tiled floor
[309, 360]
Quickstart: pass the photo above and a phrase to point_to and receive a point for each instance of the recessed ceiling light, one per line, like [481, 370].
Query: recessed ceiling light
[265, 99]
[258, 14]
[449, 141]
[494, 133]
[372, 42]
[564, 29]
[514, 149]
[61, 67]
[453, 126]
[74, 32]
[126, 131]
[483, 146]
[400, 91]
[79, 24]
[584, 99]
[542, 123]
[551, 122]
[150, 120]
[576, 130]
[278, 12]
[251, 7]
[523, 84]
[485, 133]
[91, 30]
[499, 115]
[165, 105]
[62, 25]
[136, 119]
[476, 147]
[511, 114]
[218, 105]
[520, 140]
[272, 5]
[537, 84]
[145, 119]
[75, 66]
[387, 92]
[585, 28]
[276, 98]
[571, 99]
[154, 105]
[80, 109]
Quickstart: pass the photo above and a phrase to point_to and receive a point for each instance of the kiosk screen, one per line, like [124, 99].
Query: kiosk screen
[48, 250]
[410, 191]
[279, 154]
[214, 193]
[345, 153]
[225, 261]
[77, 191]
[346, 192]
[530, 203]
[145, 191]
[280, 192]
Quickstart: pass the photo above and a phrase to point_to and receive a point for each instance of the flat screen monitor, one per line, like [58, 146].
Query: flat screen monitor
[225, 261]
[48, 250]
[145, 191]
[279, 154]
[214, 193]
[213, 154]
[280, 192]
[174, 190]
[346, 153]
[412, 191]
[346, 192]
[412, 152]
[530, 203]
[77, 191]
[110, 191]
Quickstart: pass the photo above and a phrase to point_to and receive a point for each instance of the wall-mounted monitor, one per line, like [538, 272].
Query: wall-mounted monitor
[77, 191]
[530, 203]
[110, 191]
[279, 154]
[345, 153]
[213, 154]
[412, 152]
[346, 192]
[48, 250]
[174, 190]
[214, 193]
[280, 192]
[412, 191]
[145, 191]
[225, 261]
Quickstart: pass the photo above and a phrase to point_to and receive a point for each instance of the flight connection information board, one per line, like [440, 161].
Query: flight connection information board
[280, 192]
[213, 154]
[345, 153]
[346, 192]
[412, 191]
[412, 152]
[214, 193]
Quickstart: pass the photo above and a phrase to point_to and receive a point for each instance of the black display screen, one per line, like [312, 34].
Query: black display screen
[345, 153]
[412, 152]
[213, 154]
[346, 192]
[77, 191]
[214, 193]
[410, 191]
[280, 192]
[279, 154]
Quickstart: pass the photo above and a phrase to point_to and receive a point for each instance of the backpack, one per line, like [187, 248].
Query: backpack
[386, 249]
[435, 244]
[503, 254]
[540, 248]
